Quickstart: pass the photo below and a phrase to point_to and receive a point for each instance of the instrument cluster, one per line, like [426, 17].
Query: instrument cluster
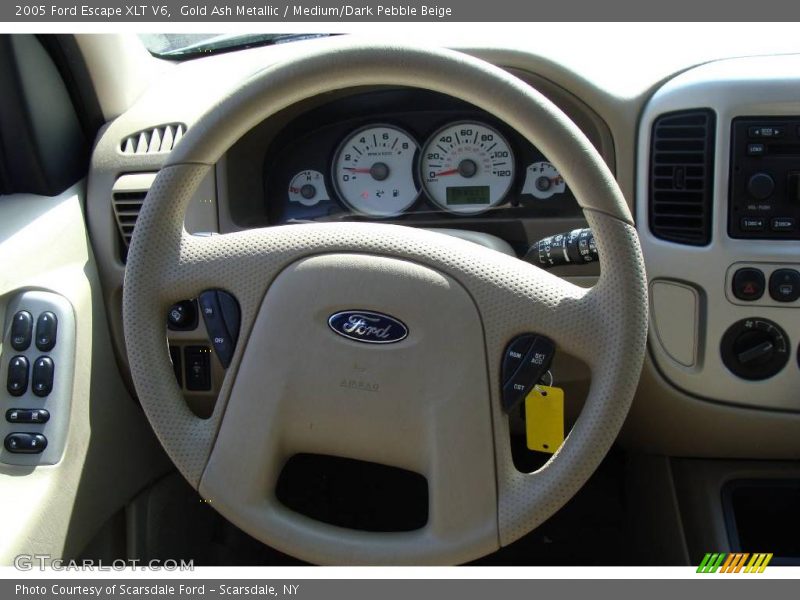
[379, 156]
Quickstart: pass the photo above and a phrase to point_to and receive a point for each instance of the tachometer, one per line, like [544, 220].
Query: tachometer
[373, 171]
[467, 168]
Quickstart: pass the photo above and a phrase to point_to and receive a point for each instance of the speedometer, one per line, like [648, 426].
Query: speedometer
[373, 171]
[467, 168]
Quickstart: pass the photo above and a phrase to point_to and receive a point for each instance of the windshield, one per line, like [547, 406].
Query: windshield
[189, 45]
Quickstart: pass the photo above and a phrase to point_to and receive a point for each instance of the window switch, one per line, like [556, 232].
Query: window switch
[21, 330]
[46, 331]
[17, 381]
[42, 379]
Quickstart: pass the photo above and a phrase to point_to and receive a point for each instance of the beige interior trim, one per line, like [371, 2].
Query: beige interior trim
[110, 451]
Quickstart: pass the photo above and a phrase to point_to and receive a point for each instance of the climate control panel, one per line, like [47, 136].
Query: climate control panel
[755, 349]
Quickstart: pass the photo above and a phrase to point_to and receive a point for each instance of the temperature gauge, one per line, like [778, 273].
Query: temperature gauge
[542, 181]
[308, 188]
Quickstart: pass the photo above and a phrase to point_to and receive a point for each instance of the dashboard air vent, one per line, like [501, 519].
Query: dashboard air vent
[127, 197]
[155, 140]
[682, 176]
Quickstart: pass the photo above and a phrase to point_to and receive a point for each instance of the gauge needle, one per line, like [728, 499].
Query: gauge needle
[357, 170]
[448, 172]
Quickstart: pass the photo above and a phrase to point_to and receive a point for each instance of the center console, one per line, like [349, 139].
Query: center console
[719, 221]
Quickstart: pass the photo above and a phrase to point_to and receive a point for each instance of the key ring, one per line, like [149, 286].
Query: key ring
[549, 384]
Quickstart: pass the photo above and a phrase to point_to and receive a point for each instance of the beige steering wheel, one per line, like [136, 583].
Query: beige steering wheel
[435, 408]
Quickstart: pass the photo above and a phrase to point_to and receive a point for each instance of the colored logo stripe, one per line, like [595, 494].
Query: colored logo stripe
[734, 562]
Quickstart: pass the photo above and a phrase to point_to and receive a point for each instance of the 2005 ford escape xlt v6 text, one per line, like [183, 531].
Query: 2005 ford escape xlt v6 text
[283, 299]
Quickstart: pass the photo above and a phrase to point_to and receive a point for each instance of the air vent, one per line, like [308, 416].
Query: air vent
[127, 197]
[155, 140]
[682, 176]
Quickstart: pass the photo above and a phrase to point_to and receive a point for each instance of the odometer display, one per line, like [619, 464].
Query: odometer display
[467, 168]
[468, 195]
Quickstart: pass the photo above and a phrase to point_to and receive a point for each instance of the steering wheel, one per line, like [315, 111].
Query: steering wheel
[434, 403]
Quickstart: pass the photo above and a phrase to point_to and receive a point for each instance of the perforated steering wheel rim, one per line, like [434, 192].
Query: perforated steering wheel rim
[234, 457]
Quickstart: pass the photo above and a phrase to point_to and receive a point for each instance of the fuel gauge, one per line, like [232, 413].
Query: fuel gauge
[542, 180]
[308, 188]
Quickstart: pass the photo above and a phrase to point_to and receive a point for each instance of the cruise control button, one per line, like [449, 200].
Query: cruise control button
[21, 330]
[221, 315]
[782, 224]
[43, 372]
[515, 352]
[784, 285]
[46, 331]
[26, 415]
[749, 284]
[17, 380]
[25, 443]
[535, 364]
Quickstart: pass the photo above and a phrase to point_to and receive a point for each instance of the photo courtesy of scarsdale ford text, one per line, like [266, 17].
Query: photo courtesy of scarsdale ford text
[109, 590]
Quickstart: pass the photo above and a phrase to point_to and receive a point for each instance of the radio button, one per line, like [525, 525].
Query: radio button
[752, 224]
[761, 186]
[782, 224]
[765, 132]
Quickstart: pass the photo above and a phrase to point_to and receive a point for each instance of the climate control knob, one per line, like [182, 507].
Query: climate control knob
[755, 349]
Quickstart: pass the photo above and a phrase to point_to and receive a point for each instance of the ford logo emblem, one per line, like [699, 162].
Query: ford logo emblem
[369, 327]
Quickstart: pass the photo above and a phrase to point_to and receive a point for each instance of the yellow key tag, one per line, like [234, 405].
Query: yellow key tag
[544, 418]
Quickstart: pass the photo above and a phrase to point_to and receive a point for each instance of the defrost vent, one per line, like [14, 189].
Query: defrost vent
[160, 139]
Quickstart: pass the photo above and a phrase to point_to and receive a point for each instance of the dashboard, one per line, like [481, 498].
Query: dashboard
[406, 155]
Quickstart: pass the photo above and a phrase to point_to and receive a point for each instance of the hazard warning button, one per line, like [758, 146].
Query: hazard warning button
[748, 284]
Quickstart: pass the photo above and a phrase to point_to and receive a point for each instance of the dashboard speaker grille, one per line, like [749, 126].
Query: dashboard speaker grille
[152, 141]
[682, 176]
[127, 197]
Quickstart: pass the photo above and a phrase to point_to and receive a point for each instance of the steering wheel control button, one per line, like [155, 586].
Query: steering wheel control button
[17, 380]
[26, 415]
[46, 331]
[531, 369]
[198, 368]
[515, 352]
[43, 373]
[749, 284]
[222, 317]
[752, 224]
[755, 349]
[182, 316]
[21, 330]
[784, 285]
[25, 443]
